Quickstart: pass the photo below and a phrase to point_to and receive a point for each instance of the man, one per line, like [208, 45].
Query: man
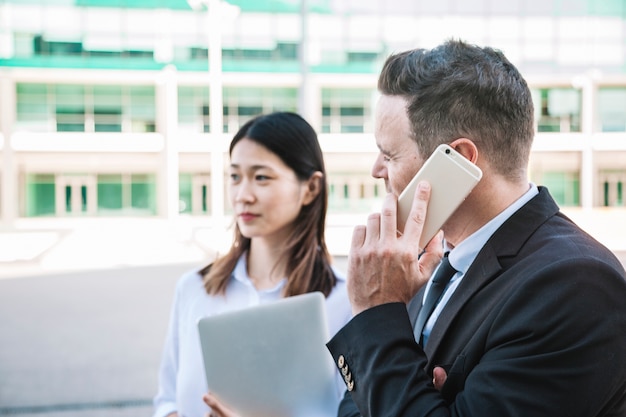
[533, 321]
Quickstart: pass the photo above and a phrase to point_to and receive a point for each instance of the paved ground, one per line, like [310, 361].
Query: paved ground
[82, 322]
[84, 306]
[83, 343]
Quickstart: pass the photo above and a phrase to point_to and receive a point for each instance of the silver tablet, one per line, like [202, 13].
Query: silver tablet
[271, 359]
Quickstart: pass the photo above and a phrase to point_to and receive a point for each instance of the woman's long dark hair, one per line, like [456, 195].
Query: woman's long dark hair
[295, 142]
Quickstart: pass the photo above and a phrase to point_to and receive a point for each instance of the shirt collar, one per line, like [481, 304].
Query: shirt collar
[464, 254]
[240, 273]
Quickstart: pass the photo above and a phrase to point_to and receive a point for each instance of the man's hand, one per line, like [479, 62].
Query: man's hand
[439, 377]
[384, 267]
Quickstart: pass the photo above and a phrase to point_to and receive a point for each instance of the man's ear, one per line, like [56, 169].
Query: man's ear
[313, 187]
[467, 148]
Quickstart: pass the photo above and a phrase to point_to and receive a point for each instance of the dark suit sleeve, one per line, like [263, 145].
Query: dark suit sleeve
[375, 346]
[552, 345]
[347, 407]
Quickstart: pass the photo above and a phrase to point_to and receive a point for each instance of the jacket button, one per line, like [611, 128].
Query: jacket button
[341, 361]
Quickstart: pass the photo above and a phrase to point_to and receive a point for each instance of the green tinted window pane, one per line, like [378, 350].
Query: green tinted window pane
[205, 198]
[143, 193]
[184, 193]
[266, 99]
[68, 198]
[352, 129]
[352, 111]
[563, 186]
[32, 111]
[191, 102]
[32, 89]
[107, 96]
[70, 119]
[249, 110]
[612, 109]
[107, 119]
[142, 103]
[69, 95]
[109, 193]
[40, 195]
[70, 127]
[108, 127]
[32, 104]
[70, 108]
[559, 109]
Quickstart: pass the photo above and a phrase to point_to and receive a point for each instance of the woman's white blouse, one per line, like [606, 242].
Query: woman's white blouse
[182, 382]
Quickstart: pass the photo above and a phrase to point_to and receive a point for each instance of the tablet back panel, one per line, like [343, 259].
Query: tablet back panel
[271, 359]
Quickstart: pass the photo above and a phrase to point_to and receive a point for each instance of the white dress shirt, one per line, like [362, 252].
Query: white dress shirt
[182, 382]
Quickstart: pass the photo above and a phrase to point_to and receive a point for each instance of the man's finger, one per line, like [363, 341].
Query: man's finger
[372, 232]
[388, 220]
[432, 254]
[439, 377]
[417, 215]
[358, 237]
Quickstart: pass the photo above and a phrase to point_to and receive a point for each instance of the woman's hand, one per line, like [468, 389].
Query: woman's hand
[217, 408]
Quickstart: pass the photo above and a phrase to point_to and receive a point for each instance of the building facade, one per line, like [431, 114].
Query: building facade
[126, 107]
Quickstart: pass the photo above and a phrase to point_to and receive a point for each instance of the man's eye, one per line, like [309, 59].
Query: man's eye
[234, 177]
[262, 178]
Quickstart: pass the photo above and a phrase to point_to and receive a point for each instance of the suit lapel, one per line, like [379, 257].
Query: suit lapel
[505, 242]
[482, 270]
[415, 305]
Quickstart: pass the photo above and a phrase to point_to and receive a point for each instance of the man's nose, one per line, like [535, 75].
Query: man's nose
[378, 169]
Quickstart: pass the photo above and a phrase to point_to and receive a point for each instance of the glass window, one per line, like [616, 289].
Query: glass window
[81, 195]
[143, 193]
[34, 111]
[346, 111]
[612, 109]
[184, 193]
[557, 109]
[107, 108]
[70, 108]
[109, 193]
[76, 108]
[142, 109]
[611, 182]
[242, 104]
[193, 109]
[120, 194]
[564, 187]
[40, 195]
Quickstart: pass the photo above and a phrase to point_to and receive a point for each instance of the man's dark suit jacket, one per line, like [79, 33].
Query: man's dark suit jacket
[536, 328]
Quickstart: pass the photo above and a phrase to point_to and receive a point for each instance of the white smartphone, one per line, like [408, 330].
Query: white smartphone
[451, 177]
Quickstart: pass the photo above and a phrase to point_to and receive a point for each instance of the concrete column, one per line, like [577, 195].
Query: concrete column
[587, 168]
[8, 187]
[216, 114]
[303, 52]
[167, 122]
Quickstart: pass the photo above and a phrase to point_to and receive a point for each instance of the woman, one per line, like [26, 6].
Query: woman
[279, 197]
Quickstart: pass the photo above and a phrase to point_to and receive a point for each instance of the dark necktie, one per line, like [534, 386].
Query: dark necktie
[440, 281]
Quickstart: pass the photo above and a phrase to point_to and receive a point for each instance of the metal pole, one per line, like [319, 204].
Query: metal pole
[303, 93]
[216, 117]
